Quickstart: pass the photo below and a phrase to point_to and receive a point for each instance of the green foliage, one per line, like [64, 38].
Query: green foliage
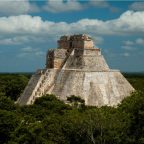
[51, 121]
[134, 106]
[136, 79]
[12, 85]
[7, 104]
[76, 101]
[44, 106]
[8, 122]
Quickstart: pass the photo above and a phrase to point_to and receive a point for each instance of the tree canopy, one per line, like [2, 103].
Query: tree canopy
[51, 121]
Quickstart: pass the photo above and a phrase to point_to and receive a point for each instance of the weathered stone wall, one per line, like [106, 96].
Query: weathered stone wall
[29, 93]
[96, 88]
[39, 84]
[78, 44]
[86, 59]
[88, 44]
[63, 44]
[55, 58]
[87, 52]
[75, 41]
[92, 52]
[77, 68]
[58, 63]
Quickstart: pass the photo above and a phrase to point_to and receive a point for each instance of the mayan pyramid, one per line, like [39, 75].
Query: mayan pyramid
[77, 68]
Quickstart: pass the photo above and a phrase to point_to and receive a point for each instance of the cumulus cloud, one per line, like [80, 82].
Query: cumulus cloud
[128, 43]
[73, 5]
[126, 47]
[133, 45]
[18, 40]
[140, 41]
[126, 54]
[13, 7]
[25, 28]
[128, 22]
[61, 6]
[8, 41]
[16, 7]
[111, 54]
[30, 51]
[97, 39]
[137, 6]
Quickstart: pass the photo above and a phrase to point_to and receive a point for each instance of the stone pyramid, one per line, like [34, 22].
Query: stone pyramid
[77, 68]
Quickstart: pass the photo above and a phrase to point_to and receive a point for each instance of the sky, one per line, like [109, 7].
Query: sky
[28, 28]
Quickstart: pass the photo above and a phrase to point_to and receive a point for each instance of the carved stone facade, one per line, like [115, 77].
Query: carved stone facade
[56, 58]
[75, 41]
[77, 68]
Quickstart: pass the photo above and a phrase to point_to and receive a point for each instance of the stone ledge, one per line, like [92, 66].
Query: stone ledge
[83, 70]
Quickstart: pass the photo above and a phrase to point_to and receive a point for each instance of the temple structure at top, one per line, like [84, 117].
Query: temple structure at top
[76, 67]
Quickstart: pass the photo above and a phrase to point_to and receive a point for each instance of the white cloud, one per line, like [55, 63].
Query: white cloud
[140, 41]
[34, 8]
[21, 24]
[128, 22]
[132, 45]
[29, 51]
[126, 47]
[126, 54]
[61, 6]
[18, 40]
[40, 53]
[97, 39]
[138, 6]
[75, 5]
[128, 43]
[8, 41]
[111, 54]
[25, 28]
[16, 7]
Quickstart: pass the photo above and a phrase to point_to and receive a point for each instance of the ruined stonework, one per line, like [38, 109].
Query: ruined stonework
[77, 68]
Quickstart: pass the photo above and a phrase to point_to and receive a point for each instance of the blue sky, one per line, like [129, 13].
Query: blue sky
[29, 28]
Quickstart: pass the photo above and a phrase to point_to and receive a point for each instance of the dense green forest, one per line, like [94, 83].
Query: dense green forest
[50, 121]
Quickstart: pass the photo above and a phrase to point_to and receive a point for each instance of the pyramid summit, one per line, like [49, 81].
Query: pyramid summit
[77, 68]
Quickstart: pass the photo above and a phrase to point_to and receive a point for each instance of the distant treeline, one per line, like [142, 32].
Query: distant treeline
[136, 79]
[13, 84]
[133, 74]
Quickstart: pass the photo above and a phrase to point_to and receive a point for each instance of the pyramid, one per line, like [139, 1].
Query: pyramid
[77, 68]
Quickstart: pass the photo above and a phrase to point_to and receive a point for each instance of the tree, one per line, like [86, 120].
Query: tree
[76, 101]
[134, 106]
[7, 104]
[12, 85]
[8, 122]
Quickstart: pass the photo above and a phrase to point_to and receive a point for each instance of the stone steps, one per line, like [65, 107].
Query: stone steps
[29, 89]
